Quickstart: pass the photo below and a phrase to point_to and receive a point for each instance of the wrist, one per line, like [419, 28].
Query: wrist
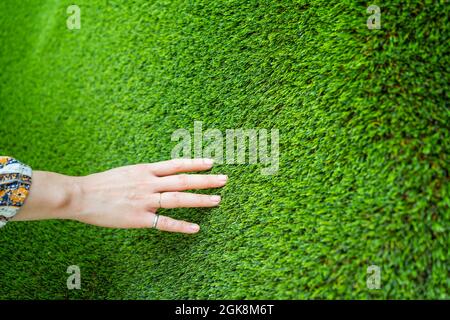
[52, 196]
[66, 205]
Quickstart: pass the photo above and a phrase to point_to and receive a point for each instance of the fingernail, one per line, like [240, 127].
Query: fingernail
[208, 161]
[194, 227]
[215, 198]
[223, 178]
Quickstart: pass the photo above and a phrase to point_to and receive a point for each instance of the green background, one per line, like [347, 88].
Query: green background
[364, 143]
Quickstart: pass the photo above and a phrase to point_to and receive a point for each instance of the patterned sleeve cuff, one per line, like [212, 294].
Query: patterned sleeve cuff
[15, 184]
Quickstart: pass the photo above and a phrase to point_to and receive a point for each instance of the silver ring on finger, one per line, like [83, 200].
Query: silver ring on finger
[159, 201]
[155, 221]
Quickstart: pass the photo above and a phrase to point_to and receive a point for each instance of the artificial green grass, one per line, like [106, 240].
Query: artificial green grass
[364, 143]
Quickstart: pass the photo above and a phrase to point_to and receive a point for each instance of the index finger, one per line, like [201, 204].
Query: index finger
[169, 167]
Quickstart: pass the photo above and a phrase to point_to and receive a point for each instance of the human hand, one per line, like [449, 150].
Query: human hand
[125, 197]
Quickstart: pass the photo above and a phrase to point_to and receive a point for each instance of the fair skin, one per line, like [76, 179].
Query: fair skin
[125, 197]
